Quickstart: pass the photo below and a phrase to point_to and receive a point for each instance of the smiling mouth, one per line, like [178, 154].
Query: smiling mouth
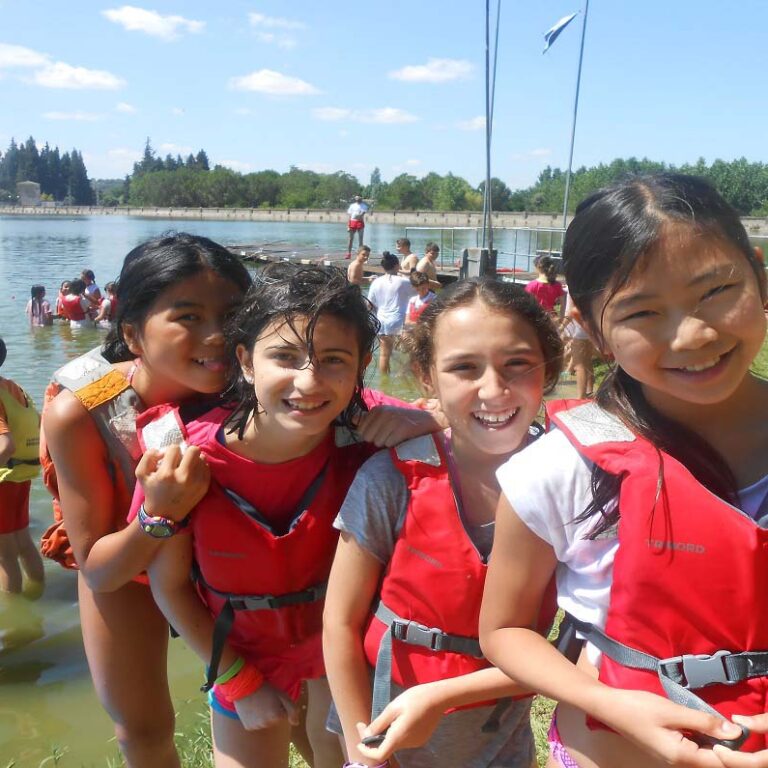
[495, 420]
[706, 365]
[305, 407]
[211, 364]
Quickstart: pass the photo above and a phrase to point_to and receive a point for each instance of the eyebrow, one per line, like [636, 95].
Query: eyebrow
[183, 304]
[452, 358]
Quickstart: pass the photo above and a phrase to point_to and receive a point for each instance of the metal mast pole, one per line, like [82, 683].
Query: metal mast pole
[487, 223]
[575, 111]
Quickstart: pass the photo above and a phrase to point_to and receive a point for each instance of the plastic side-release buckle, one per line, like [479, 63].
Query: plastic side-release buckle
[413, 633]
[698, 670]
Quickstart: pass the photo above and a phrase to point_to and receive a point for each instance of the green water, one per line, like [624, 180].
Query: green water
[47, 703]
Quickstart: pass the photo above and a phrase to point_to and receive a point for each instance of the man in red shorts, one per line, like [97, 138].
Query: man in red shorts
[19, 463]
[356, 213]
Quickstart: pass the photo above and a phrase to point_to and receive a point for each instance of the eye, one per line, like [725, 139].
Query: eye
[640, 314]
[190, 317]
[718, 289]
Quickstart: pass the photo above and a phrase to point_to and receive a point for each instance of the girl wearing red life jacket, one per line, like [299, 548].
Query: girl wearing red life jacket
[277, 465]
[416, 530]
[654, 508]
[166, 345]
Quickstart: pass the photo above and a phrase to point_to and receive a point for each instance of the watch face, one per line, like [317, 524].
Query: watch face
[157, 530]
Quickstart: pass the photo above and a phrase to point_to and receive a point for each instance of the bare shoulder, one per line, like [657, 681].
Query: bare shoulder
[63, 414]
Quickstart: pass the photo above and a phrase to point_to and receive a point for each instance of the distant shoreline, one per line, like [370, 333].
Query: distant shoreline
[756, 227]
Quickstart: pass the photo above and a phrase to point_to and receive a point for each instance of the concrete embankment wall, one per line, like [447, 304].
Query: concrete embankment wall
[754, 226]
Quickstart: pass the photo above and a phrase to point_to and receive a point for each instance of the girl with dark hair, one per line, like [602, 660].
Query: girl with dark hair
[416, 530]
[75, 306]
[38, 310]
[546, 287]
[166, 345]
[654, 507]
[278, 461]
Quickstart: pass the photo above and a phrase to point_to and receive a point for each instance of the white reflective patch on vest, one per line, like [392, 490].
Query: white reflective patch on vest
[591, 425]
[80, 371]
[163, 432]
[421, 449]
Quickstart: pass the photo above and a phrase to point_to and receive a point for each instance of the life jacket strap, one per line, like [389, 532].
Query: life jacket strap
[11, 463]
[223, 624]
[679, 675]
[412, 633]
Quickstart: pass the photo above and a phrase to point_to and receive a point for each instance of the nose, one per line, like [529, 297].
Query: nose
[213, 333]
[492, 384]
[305, 378]
[692, 332]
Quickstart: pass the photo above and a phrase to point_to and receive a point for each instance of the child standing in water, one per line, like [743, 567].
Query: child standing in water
[19, 464]
[655, 502]
[167, 345]
[260, 542]
[416, 530]
[38, 310]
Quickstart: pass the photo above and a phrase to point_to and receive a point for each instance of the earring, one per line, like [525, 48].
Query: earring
[248, 377]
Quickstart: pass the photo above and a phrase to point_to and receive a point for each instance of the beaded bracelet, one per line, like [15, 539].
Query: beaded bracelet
[225, 677]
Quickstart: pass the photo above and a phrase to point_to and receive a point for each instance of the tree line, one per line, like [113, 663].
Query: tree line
[191, 182]
[62, 177]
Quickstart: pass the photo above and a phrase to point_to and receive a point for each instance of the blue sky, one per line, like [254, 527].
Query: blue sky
[399, 85]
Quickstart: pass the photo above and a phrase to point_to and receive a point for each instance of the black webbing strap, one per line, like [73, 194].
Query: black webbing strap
[226, 618]
[680, 675]
[413, 633]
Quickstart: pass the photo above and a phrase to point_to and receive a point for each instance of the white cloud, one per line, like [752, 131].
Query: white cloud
[317, 167]
[273, 83]
[540, 152]
[88, 117]
[281, 41]
[135, 19]
[61, 75]
[237, 165]
[274, 22]
[126, 108]
[475, 124]
[412, 163]
[434, 71]
[384, 115]
[12, 56]
[178, 111]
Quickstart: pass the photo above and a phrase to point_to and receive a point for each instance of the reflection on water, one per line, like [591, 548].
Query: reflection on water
[47, 703]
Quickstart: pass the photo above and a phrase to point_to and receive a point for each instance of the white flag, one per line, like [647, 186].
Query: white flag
[553, 33]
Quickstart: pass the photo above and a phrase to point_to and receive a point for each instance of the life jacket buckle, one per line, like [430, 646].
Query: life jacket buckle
[697, 670]
[413, 633]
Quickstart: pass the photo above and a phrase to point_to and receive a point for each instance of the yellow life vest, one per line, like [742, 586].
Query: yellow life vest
[24, 423]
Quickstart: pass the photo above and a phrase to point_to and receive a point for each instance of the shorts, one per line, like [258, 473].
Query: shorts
[557, 750]
[221, 705]
[14, 506]
[390, 327]
[354, 225]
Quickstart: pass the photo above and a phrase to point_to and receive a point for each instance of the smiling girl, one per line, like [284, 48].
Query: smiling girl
[655, 505]
[166, 346]
[416, 530]
[277, 465]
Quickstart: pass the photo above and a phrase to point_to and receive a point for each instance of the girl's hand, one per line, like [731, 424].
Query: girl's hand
[387, 425]
[173, 482]
[733, 759]
[409, 720]
[264, 708]
[661, 728]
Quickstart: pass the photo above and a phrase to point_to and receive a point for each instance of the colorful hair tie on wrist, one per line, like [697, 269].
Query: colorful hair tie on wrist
[225, 677]
[247, 681]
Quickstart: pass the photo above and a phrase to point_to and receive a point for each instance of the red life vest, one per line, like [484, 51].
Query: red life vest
[434, 569]
[71, 309]
[434, 580]
[689, 573]
[274, 582]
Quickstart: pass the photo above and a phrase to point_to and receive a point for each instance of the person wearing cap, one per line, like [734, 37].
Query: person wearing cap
[356, 213]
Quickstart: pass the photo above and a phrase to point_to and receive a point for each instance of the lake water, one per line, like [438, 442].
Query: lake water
[47, 702]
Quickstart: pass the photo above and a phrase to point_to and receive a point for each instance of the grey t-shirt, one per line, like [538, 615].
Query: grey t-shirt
[373, 514]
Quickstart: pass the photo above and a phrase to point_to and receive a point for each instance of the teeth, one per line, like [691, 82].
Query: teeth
[703, 366]
[495, 418]
[300, 405]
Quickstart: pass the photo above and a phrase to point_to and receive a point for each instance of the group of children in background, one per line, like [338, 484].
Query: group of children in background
[80, 303]
[402, 598]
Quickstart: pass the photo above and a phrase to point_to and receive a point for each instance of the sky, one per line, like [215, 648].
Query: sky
[396, 84]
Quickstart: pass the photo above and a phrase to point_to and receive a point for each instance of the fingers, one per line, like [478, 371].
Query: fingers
[756, 724]
[732, 759]
[379, 752]
[148, 463]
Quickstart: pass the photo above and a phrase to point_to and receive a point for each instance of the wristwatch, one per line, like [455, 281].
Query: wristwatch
[159, 527]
